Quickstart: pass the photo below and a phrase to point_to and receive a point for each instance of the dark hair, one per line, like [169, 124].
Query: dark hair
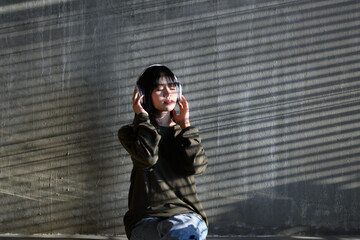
[148, 81]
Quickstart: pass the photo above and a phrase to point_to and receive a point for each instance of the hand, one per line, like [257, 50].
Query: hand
[183, 118]
[137, 100]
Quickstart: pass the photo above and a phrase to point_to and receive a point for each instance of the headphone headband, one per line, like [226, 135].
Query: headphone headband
[155, 65]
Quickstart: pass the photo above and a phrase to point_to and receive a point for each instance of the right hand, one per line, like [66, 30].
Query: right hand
[137, 100]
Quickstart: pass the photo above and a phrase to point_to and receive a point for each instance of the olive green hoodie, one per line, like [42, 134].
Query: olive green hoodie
[165, 161]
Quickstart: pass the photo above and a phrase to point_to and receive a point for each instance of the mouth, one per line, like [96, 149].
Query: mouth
[167, 102]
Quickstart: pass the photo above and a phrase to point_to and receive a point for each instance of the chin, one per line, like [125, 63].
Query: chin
[169, 109]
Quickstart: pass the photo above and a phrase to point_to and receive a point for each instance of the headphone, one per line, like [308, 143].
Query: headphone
[177, 83]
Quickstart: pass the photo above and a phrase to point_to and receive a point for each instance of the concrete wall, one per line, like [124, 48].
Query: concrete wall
[273, 87]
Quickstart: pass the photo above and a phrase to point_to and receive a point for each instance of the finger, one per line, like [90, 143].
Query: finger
[183, 99]
[184, 103]
[134, 95]
[180, 104]
[139, 99]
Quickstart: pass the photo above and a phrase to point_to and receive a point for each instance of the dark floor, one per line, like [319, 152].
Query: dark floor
[94, 237]
[285, 238]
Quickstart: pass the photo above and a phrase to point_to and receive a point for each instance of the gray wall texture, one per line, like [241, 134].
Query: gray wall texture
[273, 87]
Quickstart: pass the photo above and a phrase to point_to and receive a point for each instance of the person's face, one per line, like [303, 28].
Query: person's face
[164, 96]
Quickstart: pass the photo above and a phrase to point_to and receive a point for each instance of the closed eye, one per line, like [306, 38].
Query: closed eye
[172, 86]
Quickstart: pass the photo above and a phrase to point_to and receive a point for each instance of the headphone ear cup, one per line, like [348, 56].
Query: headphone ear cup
[141, 92]
[179, 91]
[178, 88]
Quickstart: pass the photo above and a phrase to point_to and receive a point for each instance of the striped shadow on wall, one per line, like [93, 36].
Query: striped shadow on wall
[273, 87]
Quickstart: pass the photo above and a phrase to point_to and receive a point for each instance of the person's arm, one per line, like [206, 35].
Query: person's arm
[141, 141]
[194, 160]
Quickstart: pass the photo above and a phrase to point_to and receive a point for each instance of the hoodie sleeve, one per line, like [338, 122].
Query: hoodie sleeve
[141, 141]
[195, 160]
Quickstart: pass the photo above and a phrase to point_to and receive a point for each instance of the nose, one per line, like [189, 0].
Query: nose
[166, 91]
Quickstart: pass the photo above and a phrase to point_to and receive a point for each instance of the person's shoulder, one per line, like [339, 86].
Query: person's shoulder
[126, 129]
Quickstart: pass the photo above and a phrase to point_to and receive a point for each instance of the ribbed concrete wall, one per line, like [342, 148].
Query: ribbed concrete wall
[273, 87]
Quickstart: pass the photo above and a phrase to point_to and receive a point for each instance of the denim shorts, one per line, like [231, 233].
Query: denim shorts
[187, 226]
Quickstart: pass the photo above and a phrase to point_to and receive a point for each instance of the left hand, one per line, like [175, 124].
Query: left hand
[183, 118]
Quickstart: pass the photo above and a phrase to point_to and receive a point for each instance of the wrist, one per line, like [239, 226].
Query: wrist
[143, 112]
[139, 111]
[185, 125]
[140, 118]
